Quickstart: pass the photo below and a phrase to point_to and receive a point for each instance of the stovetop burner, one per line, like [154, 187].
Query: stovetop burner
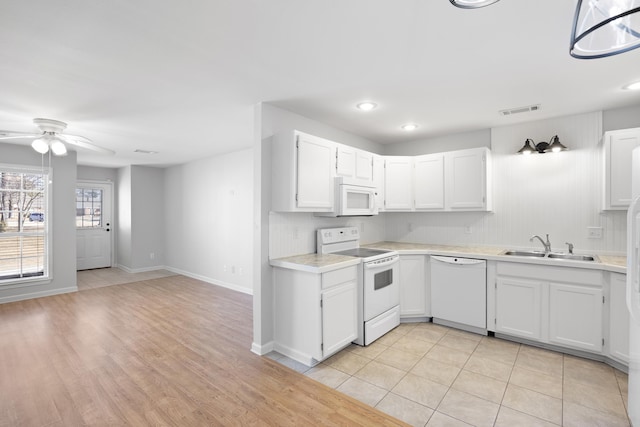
[362, 252]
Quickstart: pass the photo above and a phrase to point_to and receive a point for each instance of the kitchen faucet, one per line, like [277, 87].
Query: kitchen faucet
[547, 244]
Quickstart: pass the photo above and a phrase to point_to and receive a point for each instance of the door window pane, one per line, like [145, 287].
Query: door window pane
[88, 207]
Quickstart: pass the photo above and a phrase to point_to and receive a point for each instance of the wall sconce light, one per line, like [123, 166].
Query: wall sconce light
[554, 145]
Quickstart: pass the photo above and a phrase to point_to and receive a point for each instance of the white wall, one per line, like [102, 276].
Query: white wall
[440, 144]
[124, 238]
[62, 210]
[94, 173]
[555, 193]
[621, 118]
[209, 219]
[147, 218]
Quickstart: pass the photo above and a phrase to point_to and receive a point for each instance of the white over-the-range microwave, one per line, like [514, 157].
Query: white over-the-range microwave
[352, 198]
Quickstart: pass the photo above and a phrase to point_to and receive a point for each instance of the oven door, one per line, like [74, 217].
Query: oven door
[381, 286]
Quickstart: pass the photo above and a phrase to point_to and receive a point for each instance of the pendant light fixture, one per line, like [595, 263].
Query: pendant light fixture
[472, 4]
[604, 28]
[554, 145]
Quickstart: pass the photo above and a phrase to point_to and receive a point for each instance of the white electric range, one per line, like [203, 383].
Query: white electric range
[378, 281]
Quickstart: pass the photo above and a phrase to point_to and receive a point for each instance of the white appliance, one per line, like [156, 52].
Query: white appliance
[378, 281]
[353, 198]
[633, 291]
[459, 293]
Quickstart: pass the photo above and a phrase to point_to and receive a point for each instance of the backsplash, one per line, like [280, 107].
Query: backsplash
[295, 233]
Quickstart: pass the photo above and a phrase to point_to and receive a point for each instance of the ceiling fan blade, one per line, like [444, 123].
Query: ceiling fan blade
[7, 134]
[81, 141]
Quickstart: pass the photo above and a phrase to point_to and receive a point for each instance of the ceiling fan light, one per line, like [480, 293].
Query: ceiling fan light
[604, 28]
[472, 4]
[41, 145]
[58, 148]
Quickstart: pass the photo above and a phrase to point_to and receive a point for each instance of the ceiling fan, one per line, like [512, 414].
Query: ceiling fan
[51, 137]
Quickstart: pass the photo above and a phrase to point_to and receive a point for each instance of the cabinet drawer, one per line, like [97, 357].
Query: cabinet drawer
[336, 277]
[551, 273]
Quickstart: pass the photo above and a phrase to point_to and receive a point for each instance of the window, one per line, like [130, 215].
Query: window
[88, 207]
[23, 223]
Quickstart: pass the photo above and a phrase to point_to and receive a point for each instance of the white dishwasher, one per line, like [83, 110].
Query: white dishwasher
[459, 293]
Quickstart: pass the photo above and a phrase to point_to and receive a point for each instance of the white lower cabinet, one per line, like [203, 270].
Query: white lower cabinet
[575, 316]
[519, 307]
[555, 305]
[618, 318]
[315, 314]
[413, 286]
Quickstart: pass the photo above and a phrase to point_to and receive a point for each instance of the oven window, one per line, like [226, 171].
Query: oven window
[382, 279]
[356, 200]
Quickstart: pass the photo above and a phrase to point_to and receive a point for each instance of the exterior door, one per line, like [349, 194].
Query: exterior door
[94, 224]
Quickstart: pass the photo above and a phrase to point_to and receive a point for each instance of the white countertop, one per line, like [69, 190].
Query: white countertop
[317, 263]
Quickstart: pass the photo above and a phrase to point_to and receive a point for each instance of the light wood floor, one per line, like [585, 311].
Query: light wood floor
[165, 351]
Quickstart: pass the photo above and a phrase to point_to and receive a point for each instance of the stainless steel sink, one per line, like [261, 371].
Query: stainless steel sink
[573, 257]
[558, 256]
[525, 253]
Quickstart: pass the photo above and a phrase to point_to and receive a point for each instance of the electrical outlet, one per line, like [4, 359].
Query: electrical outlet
[224, 268]
[594, 232]
[468, 229]
[362, 227]
[410, 226]
[152, 255]
[233, 269]
[295, 232]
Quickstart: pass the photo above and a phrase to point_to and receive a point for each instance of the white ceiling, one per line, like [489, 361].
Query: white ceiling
[182, 78]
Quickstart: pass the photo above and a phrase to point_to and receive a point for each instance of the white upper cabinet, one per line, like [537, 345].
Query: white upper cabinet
[466, 180]
[378, 180]
[618, 145]
[302, 173]
[451, 181]
[429, 182]
[354, 163]
[398, 189]
[345, 161]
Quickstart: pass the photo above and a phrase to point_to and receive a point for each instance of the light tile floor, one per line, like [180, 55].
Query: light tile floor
[431, 375]
[100, 277]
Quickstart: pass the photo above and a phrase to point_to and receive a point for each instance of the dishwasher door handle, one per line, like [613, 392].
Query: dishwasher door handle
[457, 261]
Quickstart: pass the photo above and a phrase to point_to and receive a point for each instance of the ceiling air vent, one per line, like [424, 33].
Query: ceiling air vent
[518, 110]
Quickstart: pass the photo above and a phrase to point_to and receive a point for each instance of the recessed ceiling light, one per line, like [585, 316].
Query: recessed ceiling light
[472, 4]
[409, 127]
[145, 151]
[632, 86]
[366, 106]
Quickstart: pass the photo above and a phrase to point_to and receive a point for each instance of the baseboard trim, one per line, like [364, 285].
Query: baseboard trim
[140, 270]
[31, 295]
[210, 280]
[261, 350]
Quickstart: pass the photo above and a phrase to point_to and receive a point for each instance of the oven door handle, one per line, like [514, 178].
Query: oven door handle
[372, 265]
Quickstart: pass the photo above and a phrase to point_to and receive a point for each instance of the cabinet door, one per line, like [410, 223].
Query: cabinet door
[413, 286]
[618, 147]
[519, 307]
[364, 165]
[618, 318]
[465, 182]
[398, 189]
[378, 180]
[339, 317]
[428, 182]
[575, 316]
[345, 161]
[314, 172]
